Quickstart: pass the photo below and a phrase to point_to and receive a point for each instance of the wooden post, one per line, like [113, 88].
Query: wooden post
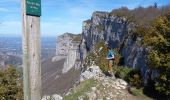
[31, 55]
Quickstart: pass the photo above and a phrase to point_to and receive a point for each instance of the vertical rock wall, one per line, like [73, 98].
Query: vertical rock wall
[68, 48]
[116, 32]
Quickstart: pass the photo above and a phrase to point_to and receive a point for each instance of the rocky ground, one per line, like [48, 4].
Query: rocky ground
[94, 85]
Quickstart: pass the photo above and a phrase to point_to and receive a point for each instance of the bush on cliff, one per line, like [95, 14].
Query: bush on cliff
[122, 72]
[158, 38]
[102, 61]
[98, 57]
[134, 78]
[10, 84]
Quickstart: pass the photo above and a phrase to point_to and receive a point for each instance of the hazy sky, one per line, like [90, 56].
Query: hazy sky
[60, 16]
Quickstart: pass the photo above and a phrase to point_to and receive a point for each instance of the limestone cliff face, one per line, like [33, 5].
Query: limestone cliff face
[68, 48]
[61, 72]
[116, 32]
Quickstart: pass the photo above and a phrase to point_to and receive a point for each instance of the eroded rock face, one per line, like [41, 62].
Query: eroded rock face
[116, 32]
[67, 48]
[61, 72]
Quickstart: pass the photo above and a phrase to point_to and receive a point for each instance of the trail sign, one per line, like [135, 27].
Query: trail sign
[33, 7]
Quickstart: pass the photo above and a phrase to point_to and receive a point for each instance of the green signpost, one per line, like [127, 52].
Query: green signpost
[33, 7]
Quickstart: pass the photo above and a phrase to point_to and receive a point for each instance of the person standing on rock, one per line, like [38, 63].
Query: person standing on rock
[110, 58]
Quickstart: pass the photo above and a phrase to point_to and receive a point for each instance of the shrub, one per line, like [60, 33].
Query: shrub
[101, 60]
[158, 38]
[98, 57]
[134, 78]
[10, 85]
[122, 72]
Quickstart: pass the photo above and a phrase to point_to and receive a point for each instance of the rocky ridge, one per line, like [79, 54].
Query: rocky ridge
[105, 88]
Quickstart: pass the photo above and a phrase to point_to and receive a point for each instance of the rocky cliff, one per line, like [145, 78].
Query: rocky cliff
[116, 32]
[60, 72]
[68, 48]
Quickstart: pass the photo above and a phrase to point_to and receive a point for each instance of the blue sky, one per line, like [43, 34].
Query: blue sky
[60, 16]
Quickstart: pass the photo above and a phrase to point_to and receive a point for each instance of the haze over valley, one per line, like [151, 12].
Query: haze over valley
[11, 49]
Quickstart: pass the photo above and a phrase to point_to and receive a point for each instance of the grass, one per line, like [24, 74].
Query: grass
[81, 90]
[138, 92]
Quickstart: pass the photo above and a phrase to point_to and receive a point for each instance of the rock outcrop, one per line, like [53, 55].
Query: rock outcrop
[60, 73]
[91, 72]
[68, 48]
[53, 97]
[100, 87]
[116, 32]
[94, 72]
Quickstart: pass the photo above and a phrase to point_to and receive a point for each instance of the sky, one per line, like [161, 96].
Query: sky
[61, 16]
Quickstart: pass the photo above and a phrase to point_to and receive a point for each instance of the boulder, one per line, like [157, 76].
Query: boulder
[53, 97]
[57, 97]
[91, 72]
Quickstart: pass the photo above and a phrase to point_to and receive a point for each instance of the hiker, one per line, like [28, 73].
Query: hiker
[110, 58]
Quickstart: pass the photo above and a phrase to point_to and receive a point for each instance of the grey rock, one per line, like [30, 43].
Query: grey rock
[80, 98]
[53, 97]
[94, 89]
[122, 82]
[67, 48]
[116, 31]
[91, 72]
[108, 98]
[57, 97]
[45, 98]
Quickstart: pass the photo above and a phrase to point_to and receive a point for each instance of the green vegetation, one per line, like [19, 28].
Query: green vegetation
[10, 84]
[99, 57]
[81, 90]
[101, 60]
[153, 25]
[122, 72]
[138, 92]
[155, 29]
[158, 38]
[134, 78]
[77, 38]
[141, 16]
